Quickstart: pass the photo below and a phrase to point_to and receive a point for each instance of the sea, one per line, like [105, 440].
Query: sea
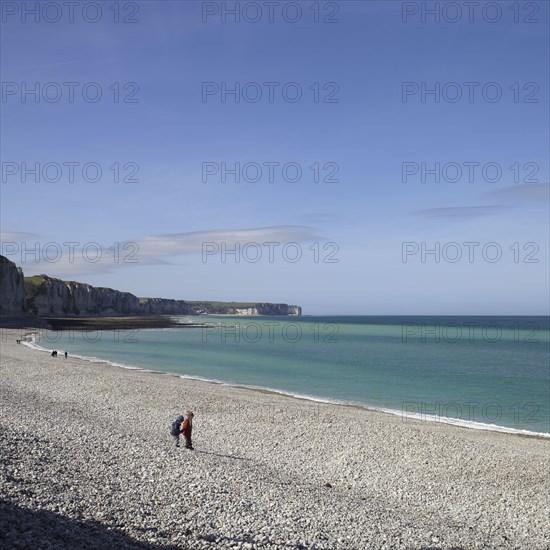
[479, 372]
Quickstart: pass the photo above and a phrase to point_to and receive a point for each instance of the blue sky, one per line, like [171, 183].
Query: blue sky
[350, 231]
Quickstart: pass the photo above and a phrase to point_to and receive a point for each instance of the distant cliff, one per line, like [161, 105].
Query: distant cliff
[164, 306]
[12, 290]
[239, 308]
[50, 297]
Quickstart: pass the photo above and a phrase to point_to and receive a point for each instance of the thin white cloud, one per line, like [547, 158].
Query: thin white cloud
[68, 268]
[460, 212]
[510, 196]
[188, 243]
[533, 192]
[14, 236]
[63, 260]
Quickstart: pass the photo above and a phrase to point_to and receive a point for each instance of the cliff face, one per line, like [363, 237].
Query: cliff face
[49, 297]
[162, 306]
[12, 289]
[245, 309]
[267, 309]
[53, 297]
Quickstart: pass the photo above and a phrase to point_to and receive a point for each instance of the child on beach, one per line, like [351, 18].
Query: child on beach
[187, 429]
[176, 429]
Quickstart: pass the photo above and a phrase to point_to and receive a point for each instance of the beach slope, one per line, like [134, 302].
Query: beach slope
[86, 461]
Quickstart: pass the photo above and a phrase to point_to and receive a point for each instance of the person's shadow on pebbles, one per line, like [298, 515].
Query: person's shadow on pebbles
[222, 456]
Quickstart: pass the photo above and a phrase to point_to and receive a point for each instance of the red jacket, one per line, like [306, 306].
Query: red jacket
[186, 428]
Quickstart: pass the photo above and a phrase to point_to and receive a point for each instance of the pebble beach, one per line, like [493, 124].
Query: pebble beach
[87, 461]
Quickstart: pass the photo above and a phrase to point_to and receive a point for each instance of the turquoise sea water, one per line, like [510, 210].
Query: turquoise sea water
[476, 370]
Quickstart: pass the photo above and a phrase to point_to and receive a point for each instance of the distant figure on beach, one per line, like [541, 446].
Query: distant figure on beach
[54, 353]
[66, 355]
[187, 429]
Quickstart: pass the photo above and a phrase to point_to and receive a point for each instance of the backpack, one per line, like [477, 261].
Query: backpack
[176, 426]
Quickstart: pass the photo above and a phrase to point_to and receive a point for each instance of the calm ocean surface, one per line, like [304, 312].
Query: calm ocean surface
[476, 370]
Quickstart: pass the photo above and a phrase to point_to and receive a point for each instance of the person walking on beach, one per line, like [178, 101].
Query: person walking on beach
[66, 355]
[187, 429]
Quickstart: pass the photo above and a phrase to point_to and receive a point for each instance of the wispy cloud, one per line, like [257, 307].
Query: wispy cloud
[69, 267]
[65, 261]
[187, 243]
[507, 196]
[15, 236]
[460, 212]
[532, 192]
